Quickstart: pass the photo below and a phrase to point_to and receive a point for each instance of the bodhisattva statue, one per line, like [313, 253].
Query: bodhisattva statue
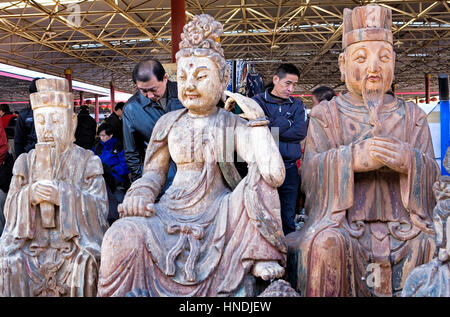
[56, 207]
[211, 232]
[433, 279]
[368, 172]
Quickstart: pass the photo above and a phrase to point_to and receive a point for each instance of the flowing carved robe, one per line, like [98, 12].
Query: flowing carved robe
[61, 261]
[202, 240]
[380, 217]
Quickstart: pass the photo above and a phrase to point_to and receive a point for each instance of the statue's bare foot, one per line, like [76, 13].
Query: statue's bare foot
[267, 270]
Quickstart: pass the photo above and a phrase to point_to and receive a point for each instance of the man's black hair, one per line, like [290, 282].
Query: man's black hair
[323, 93]
[105, 127]
[287, 68]
[148, 68]
[32, 88]
[119, 105]
[4, 107]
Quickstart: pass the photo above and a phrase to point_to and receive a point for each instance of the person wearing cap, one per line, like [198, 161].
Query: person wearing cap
[56, 209]
[368, 173]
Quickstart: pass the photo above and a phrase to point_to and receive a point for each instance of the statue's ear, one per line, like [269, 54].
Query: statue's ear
[74, 123]
[342, 65]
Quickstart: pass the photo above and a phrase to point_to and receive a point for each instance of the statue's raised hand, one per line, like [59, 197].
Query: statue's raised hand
[250, 107]
[136, 206]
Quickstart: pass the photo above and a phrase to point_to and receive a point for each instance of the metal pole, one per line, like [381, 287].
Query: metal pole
[427, 88]
[68, 75]
[81, 98]
[96, 109]
[178, 20]
[113, 103]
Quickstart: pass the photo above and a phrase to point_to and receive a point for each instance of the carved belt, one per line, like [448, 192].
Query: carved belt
[193, 233]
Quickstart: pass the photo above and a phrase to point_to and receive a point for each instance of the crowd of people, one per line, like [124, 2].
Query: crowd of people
[120, 140]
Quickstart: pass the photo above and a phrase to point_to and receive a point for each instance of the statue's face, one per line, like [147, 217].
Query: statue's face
[55, 125]
[442, 228]
[199, 84]
[368, 66]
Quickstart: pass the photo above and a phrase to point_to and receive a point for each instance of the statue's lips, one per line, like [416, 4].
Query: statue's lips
[192, 96]
[374, 78]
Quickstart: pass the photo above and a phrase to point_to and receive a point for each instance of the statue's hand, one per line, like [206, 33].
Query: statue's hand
[250, 107]
[362, 161]
[45, 190]
[136, 206]
[392, 153]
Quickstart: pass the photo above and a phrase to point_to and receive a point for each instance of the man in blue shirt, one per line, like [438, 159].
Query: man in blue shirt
[155, 96]
[287, 114]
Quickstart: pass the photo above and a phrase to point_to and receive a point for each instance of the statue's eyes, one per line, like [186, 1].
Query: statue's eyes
[202, 76]
[55, 118]
[40, 119]
[385, 58]
[360, 59]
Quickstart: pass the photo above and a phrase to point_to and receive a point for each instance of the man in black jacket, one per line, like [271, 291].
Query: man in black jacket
[155, 96]
[115, 119]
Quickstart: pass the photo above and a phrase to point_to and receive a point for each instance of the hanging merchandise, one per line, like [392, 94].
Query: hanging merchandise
[230, 82]
[242, 82]
[255, 83]
[241, 73]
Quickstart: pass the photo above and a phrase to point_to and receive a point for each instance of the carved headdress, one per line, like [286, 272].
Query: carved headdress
[52, 92]
[367, 23]
[200, 38]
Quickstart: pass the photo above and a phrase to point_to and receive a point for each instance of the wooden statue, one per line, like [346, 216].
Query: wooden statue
[368, 172]
[56, 207]
[433, 279]
[211, 232]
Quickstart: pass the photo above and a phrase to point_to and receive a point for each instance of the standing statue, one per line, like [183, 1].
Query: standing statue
[367, 173]
[211, 232]
[433, 279]
[56, 207]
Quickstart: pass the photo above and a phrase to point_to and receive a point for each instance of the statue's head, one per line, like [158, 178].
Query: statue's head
[54, 119]
[367, 63]
[202, 72]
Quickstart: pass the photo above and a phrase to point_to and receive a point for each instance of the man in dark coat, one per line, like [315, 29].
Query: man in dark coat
[115, 120]
[155, 96]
